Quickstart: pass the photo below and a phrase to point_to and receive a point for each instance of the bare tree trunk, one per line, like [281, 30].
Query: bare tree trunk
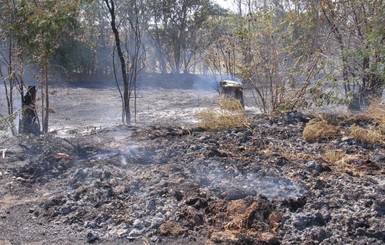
[11, 78]
[46, 98]
[127, 113]
[177, 56]
[42, 106]
[159, 52]
[117, 84]
[135, 31]
[9, 90]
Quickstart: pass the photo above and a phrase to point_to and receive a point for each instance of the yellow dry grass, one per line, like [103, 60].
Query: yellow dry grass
[332, 156]
[325, 126]
[214, 120]
[319, 129]
[333, 118]
[296, 156]
[229, 104]
[368, 135]
[376, 111]
[375, 133]
[355, 165]
[229, 115]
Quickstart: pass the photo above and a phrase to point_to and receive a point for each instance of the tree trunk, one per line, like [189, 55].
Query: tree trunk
[126, 103]
[177, 56]
[9, 90]
[159, 52]
[46, 118]
[29, 122]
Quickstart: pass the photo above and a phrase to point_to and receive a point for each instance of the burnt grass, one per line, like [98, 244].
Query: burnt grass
[261, 184]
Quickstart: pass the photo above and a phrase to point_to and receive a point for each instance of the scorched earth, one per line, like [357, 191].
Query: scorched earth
[171, 182]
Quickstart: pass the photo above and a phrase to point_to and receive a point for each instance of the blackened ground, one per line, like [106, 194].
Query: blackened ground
[262, 184]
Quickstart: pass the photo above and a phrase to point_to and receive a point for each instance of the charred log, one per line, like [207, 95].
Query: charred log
[29, 122]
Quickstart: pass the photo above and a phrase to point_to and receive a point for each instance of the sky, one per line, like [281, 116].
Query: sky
[225, 3]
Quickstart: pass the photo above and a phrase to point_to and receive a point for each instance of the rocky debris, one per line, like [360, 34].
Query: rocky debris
[263, 184]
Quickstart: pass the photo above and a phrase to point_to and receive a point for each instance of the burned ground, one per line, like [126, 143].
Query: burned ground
[261, 184]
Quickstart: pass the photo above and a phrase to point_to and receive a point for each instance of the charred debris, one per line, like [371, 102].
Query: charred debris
[261, 184]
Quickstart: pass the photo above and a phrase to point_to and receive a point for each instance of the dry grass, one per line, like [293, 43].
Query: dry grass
[332, 156]
[325, 126]
[355, 165]
[213, 119]
[376, 111]
[319, 129]
[296, 156]
[374, 133]
[229, 115]
[370, 135]
[229, 104]
[333, 118]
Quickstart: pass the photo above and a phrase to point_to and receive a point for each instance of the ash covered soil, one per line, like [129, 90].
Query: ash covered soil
[169, 184]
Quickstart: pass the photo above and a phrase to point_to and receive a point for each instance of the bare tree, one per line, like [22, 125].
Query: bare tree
[129, 52]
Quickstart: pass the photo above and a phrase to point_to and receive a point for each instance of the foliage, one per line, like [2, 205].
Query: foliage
[359, 41]
[297, 54]
[40, 24]
[38, 27]
[274, 51]
[293, 54]
[73, 59]
[181, 32]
